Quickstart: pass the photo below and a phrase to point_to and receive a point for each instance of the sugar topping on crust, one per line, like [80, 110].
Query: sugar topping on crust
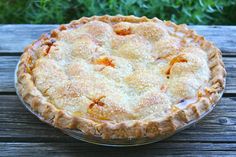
[121, 76]
[119, 71]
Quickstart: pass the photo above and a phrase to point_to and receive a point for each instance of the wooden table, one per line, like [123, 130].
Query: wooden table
[21, 133]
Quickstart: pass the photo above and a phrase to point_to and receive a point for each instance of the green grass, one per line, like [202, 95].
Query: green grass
[62, 11]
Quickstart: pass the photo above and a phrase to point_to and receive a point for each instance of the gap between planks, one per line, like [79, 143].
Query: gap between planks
[81, 149]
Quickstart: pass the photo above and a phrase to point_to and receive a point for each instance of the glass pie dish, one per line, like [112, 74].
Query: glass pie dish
[120, 80]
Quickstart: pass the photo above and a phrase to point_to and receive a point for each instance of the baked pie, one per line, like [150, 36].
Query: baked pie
[120, 77]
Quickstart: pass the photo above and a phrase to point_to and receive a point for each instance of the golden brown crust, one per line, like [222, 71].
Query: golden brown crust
[130, 128]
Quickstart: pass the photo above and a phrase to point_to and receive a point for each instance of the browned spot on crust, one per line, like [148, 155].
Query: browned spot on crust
[177, 59]
[62, 27]
[105, 61]
[54, 34]
[199, 94]
[164, 88]
[48, 49]
[27, 69]
[174, 109]
[183, 42]
[50, 44]
[29, 65]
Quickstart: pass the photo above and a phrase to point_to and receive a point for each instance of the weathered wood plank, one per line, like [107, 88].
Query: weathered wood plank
[18, 124]
[214, 135]
[84, 149]
[222, 36]
[8, 64]
[7, 68]
[15, 37]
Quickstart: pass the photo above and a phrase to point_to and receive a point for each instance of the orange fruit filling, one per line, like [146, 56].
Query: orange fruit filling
[104, 61]
[97, 102]
[177, 59]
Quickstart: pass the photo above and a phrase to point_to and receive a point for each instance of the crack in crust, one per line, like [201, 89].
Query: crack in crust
[128, 129]
[97, 101]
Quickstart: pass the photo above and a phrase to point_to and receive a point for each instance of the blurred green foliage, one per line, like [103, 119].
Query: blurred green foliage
[63, 11]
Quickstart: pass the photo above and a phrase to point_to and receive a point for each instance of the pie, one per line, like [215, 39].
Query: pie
[118, 77]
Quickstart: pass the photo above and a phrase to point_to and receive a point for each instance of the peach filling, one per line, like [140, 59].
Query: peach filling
[104, 61]
[177, 59]
[97, 101]
[124, 32]
[96, 113]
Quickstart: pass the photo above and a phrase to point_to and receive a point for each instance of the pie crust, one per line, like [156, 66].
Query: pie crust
[121, 76]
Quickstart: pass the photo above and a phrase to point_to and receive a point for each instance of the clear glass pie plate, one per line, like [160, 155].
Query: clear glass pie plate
[77, 134]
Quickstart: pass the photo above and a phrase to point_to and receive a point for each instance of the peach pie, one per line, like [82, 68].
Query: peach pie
[121, 76]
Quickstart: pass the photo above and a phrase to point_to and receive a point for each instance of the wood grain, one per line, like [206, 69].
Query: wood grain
[18, 124]
[84, 149]
[22, 134]
[7, 68]
[15, 37]
[8, 64]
